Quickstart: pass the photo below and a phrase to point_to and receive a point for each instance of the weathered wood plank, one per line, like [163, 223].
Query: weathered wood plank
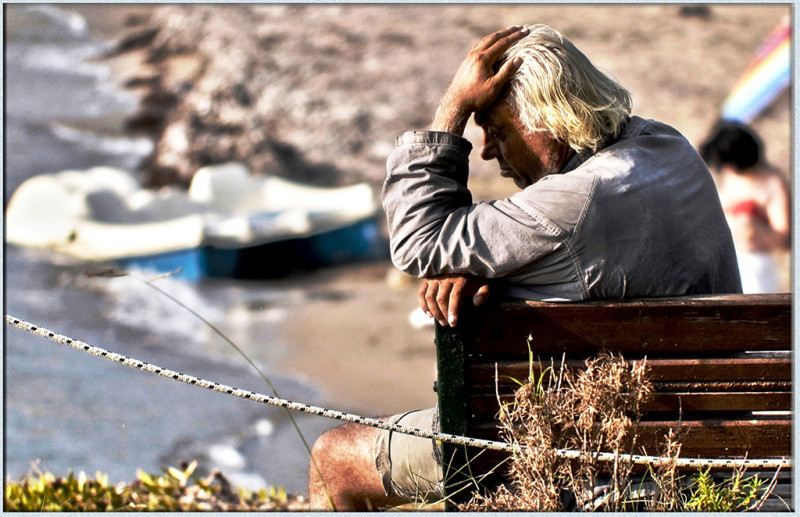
[483, 407]
[451, 392]
[766, 438]
[722, 439]
[659, 370]
[658, 325]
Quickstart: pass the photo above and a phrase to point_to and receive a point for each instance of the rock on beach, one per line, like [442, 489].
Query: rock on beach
[318, 93]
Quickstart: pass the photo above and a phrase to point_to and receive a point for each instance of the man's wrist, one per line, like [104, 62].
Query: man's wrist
[433, 137]
[450, 118]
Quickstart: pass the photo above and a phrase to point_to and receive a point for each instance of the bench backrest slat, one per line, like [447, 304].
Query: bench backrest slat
[776, 368]
[660, 325]
[484, 405]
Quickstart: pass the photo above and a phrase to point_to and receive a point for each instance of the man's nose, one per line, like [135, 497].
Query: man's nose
[489, 150]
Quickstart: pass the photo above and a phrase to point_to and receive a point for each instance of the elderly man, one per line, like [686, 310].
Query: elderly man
[611, 206]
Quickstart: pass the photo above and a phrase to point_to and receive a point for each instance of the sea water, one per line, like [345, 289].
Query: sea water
[66, 410]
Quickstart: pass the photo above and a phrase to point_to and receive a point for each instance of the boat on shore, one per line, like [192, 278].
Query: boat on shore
[228, 224]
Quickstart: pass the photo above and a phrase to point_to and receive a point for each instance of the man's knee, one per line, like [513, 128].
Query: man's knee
[326, 444]
[343, 469]
[346, 443]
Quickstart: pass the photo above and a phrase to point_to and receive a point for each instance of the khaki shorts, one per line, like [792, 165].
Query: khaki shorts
[410, 467]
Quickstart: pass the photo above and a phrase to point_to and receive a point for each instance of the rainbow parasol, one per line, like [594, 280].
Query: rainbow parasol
[766, 76]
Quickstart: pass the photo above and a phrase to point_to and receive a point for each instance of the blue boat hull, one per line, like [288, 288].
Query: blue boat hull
[357, 242]
[185, 263]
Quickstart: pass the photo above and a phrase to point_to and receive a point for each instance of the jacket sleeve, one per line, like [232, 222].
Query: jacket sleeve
[434, 227]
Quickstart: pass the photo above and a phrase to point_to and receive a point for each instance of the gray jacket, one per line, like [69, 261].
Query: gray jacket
[639, 218]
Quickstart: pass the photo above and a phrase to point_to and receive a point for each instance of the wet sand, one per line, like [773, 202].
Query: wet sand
[355, 341]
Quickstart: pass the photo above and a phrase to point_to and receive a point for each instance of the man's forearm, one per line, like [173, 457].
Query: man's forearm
[426, 182]
[450, 117]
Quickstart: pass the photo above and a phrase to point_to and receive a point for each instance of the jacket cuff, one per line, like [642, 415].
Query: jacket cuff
[434, 138]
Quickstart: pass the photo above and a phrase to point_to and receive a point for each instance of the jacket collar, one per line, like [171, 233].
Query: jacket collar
[579, 159]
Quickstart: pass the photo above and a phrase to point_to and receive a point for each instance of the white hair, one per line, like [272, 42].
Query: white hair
[557, 89]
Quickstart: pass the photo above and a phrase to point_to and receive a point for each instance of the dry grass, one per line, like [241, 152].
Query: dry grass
[591, 410]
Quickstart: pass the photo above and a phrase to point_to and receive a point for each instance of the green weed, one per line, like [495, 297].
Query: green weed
[175, 490]
[733, 494]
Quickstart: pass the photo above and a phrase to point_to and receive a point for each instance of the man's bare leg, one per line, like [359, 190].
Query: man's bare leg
[344, 460]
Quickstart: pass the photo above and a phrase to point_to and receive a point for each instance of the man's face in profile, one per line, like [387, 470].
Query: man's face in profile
[523, 156]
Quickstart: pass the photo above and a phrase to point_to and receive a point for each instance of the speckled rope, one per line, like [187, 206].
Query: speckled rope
[373, 422]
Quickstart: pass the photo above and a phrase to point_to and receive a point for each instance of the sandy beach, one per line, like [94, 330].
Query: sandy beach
[354, 339]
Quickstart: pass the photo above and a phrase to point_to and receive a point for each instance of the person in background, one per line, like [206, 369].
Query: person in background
[755, 198]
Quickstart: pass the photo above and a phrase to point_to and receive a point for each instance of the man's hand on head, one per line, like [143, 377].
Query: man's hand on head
[441, 297]
[476, 85]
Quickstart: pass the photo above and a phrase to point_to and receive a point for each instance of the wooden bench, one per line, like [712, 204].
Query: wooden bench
[721, 365]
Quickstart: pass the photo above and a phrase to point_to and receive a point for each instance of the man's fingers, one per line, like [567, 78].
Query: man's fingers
[507, 71]
[454, 303]
[481, 296]
[442, 302]
[429, 295]
[441, 298]
[487, 41]
[504, 40]
[423, 302]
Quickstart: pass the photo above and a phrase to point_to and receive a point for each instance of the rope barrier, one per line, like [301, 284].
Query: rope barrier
[373, 422]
